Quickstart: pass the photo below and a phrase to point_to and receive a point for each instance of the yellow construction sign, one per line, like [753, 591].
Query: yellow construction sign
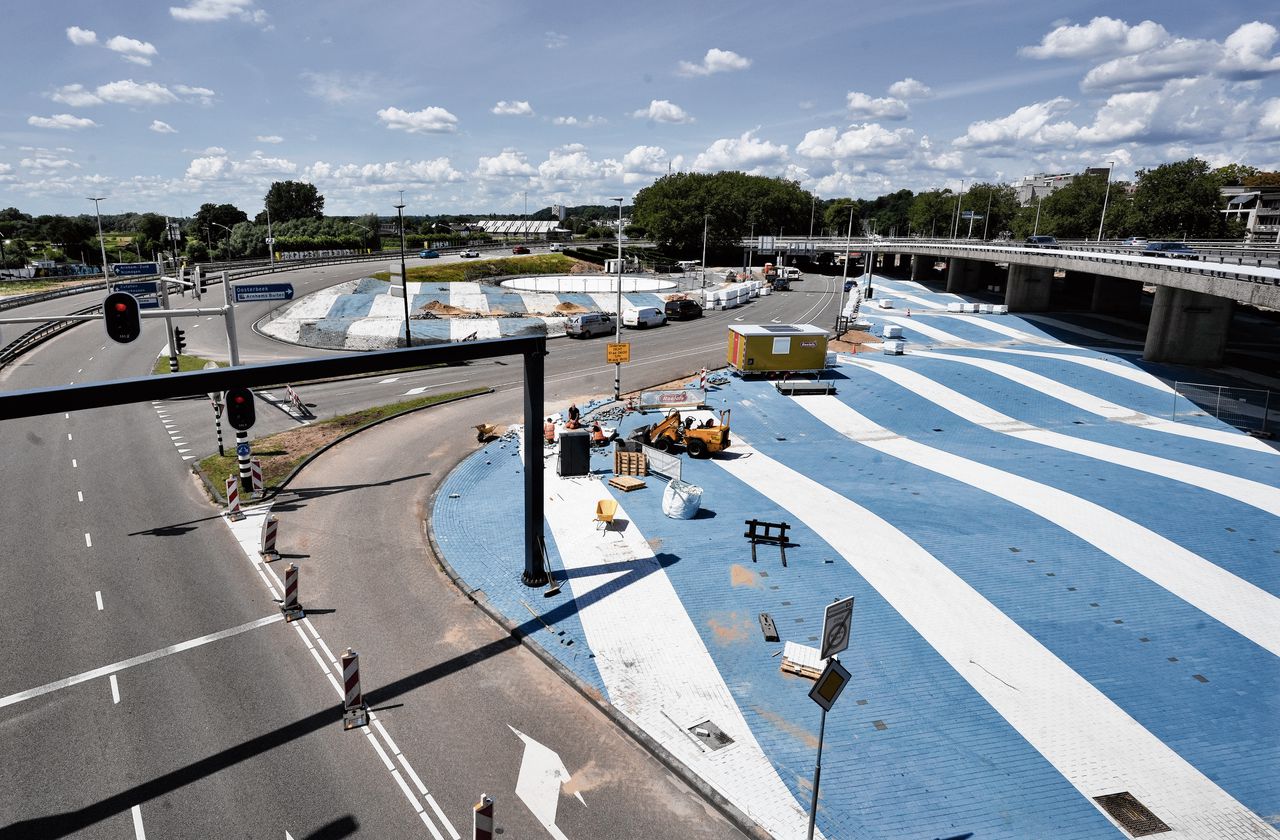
[617, 353]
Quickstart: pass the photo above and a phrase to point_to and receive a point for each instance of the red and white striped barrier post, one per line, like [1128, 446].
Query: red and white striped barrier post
[354, 712]
[270, 523]
[233, 499]
[255, 475]
[702, 379]
[289, 606]
[482, 825]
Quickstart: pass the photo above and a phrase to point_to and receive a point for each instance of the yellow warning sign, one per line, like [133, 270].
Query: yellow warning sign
[617, 353]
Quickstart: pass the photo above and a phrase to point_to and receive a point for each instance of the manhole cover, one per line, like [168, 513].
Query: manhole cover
[1132, 815]
[711, 735]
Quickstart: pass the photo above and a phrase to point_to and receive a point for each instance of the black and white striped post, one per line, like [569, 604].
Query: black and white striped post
[354, 712]
[482, 822]
[217, 425]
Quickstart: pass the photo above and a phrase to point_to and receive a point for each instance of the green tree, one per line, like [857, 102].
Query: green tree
[288, 200]
[672, 209]
[1234, 174]
[205, 224]
[1074, 211]
[932, 213]
[1262, 179]
[1179, 200]
[994, 207]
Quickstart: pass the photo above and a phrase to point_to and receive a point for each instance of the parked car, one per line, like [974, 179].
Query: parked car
[1041, 241]
[1177, 250]
[428, 254]
[588, 324]
[848, 285]
[1136, 240]
[555, 246]
[645, 316]
[519, 249]
[682, 310]
[468, 254]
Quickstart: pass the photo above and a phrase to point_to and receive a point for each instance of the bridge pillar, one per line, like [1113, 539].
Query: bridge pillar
[1116, 296]
[920, 265]
[1187, 327]
[958, 272]
[1028, 288]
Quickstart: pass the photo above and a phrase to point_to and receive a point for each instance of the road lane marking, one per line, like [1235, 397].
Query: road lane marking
[115, 689]
[74, 464]
[79, 496]
[142, 659]
[389, 381]
[88, 541]
[81, 370]
[68, 435]
[139, 832]
[67, 415]
[98, 597]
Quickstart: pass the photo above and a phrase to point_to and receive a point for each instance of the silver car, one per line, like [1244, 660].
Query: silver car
[588, 324]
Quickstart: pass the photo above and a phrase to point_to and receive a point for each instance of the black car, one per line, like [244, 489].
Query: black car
[683, 310]
[1041, 241]
[1176, 250]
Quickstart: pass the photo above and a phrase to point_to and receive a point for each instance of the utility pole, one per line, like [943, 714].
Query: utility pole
[848, 240]
[271, 240]
[1111, 164]
[617, 326]
[986, 220]
[101, 242]
[702, 273]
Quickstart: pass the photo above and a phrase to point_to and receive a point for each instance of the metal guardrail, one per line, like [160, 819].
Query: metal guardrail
[1248, 409]
[34, 338]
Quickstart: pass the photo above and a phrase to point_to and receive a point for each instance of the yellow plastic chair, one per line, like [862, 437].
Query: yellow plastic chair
[605, 510]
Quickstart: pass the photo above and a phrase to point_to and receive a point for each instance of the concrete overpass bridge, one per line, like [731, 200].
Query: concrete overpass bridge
[1192, 308]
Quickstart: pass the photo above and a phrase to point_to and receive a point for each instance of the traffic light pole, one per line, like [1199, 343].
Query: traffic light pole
[243, 452]
[168, 323]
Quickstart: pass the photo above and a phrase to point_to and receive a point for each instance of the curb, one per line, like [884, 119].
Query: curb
[695, 782]
[275, 491]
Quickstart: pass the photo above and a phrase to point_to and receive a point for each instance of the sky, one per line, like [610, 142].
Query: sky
[491, 106]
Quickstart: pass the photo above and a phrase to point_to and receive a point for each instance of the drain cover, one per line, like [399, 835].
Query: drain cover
[711, 735]
[1132, 815]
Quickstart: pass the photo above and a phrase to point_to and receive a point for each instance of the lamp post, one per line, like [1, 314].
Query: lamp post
[101, 242]
[404, 274]
[702, 272]
[848, 240]
[1036, 229]
[271, 240]
[4, 262]
[1111, 164]
[228, 230]
[617, 326]
[813, 205]
[955, 227]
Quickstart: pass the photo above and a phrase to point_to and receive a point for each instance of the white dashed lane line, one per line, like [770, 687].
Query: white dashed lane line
[73, 463]
[88, 541]
[115, 689]
[98, 597]
[79, 496]
[139, 832]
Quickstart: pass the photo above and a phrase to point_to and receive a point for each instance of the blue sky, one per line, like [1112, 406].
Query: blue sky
[470, 106]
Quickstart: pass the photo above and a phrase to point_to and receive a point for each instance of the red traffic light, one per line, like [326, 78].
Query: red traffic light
[121, 317]
[240, 412]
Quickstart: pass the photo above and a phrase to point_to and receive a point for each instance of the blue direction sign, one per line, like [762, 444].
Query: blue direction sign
[242, 449]
[138, 269]
[148, 287]
[149, 303]
[263, 291]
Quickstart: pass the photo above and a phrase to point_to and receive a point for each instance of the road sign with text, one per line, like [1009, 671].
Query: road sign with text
[617, 353]
[137, 269]
[136, 289]
[263, 291]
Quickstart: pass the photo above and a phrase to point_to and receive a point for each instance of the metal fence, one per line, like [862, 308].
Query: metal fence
[1248, 409]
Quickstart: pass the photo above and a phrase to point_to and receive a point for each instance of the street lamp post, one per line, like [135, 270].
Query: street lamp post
[617, 327]
[101, 242]
[955, 227]
[1111, 164]
[228, 230]
[1036, 229]
[848, 241]
[271, 240]
[404, 274]
[702, 273]
[813, 205]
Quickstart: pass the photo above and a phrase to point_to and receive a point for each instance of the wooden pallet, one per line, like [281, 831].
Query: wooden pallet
[630, 463]
[626, 483]
[802, 660]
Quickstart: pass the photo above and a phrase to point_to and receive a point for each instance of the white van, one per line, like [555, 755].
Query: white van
[645, 316]
[687, 265]
[790, 273]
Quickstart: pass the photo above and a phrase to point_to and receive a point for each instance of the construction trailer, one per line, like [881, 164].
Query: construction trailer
[777, 348]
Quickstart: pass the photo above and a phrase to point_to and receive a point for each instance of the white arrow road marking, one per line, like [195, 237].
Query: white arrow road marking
[542, 772]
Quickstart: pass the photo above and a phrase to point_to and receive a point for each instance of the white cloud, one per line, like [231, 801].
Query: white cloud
[81, 37]
[139, 52]
[64, 121]
[430, 120]
[1269, 122]
[341, 87]
[715, 61]
[219, 167]
[207, 168]
[212, 11]
[589, 121]
[660, 110]
[513, 108]
[269, 138]
[45, 162]
[909, 88]
[863, 107]
[436, 171]
[747, 152]
[75, 96]
[554, 40]
[202, 93]
[162, 127]
[1101, 36]
[572, 163]
[129, 92]
[510, 163]
[865, 140]
[1030, 125]
[1245, 54]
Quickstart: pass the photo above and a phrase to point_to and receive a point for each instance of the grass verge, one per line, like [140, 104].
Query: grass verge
[185, 363]
[282, 452]
[9, 288]
[481, 269]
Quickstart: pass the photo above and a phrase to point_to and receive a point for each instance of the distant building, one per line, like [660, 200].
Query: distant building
[558, 210]
[1037, 187]
[1257, 208]
[521, 229]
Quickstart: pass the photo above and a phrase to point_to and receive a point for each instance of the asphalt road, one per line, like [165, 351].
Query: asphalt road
[113, 551]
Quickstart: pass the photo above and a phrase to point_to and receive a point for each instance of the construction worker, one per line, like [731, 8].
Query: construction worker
[549, 431]
[597, 434]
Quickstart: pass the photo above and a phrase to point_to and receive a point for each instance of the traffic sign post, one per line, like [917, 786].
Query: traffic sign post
[617, 353]
[138, 269]
[837, 620]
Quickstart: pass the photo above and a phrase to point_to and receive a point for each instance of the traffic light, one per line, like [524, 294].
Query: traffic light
[240, 408]
[120, 314]
[179, 341]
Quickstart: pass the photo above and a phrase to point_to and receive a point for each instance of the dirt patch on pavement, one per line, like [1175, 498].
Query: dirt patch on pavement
[570, 309]
[848, 342]
[798, 732]
[733, 630]
[740, 575]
